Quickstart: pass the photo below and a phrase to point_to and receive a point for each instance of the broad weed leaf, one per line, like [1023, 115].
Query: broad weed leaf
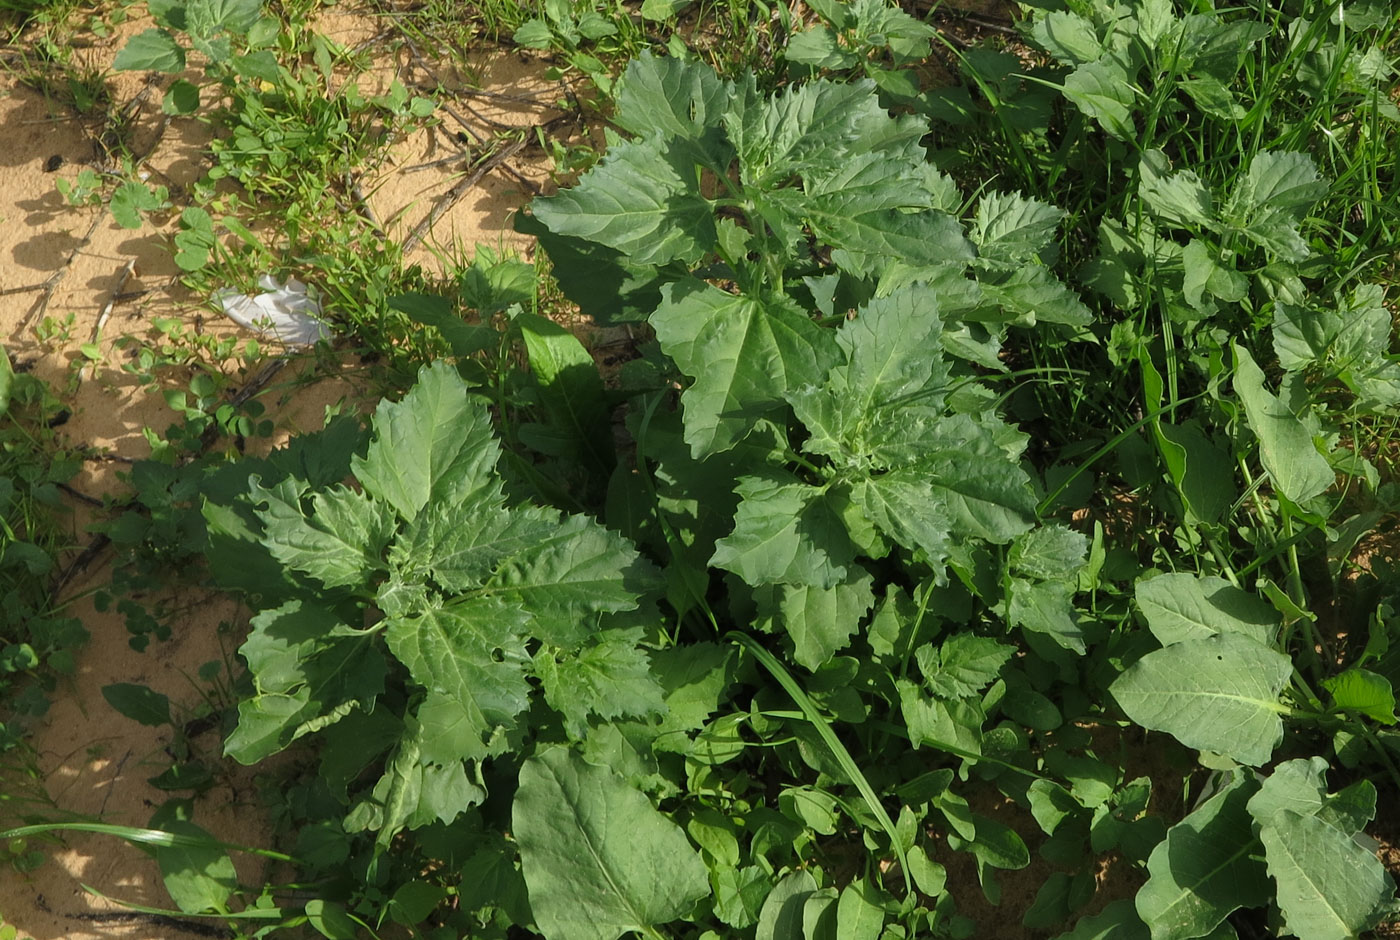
[598, 859]
[951, 725]
[785, 533]
[743, 355]
[340, 543]
[1205, 868]
[637, 201]
[781, 916]
[1179, 199]
[819, 621]
[1218, 694]
[1069, 37]
[200, 878]
[155, 49]
[1329, 887]
[1011, 230]
[435, 444]
[1035, 295]
[672, 96]
[1181, 607]
[611, 677]
[470, 658]
[567, 576]
[1102, 90]
[1286, 446]
[1363, 692]
[963, 665]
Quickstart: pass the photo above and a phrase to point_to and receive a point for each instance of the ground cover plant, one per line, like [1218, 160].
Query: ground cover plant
[1001, 483]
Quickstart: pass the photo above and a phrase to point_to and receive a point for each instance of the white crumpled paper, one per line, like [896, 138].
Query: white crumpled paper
[285, 312]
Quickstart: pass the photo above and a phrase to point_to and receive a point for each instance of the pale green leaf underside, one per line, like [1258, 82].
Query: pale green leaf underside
[1218, 694]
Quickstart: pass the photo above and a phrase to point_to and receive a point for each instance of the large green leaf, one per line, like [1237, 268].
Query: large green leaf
[820, 621]
[609, 678]
[437, 443]
[1217, 694]
[1011, 230]
[570, 574]
[785, 533]
[598, 859]
[637, 200]
[742, 354]
[471, 660]
[1329, 887]
[1286, 447]
[1180, 199]
[671, 96]
[305, 678]
[571, 391]
[1103, 92]
[1204, 869]
[340, 543]
[154, 49]
[1184, 606]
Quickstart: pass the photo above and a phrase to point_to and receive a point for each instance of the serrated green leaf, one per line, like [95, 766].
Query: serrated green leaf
[638, 201]
[818, 47]
[471, 660]
[610, 678]
[1181, 607]
[154, 49]
[743, 356]
[953, 725]
[670, 95]
[1179, 199]
[1050, 552]
[569, 575]
[598, 859]
[1011, 229]
[1218, 694]
[1286, 446]
[1204, 869]
[821, 621]
[1034, 294]
[1282, 180]
[963, 665]
[1046, 607]
[785, 533]
[435, 444]
[1329, 887]
[695, 678]
[341, 543]
[305, 678]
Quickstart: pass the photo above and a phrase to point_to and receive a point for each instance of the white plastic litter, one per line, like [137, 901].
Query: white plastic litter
[285, 312]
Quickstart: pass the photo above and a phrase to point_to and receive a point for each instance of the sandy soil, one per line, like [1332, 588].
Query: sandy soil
[56, 260]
